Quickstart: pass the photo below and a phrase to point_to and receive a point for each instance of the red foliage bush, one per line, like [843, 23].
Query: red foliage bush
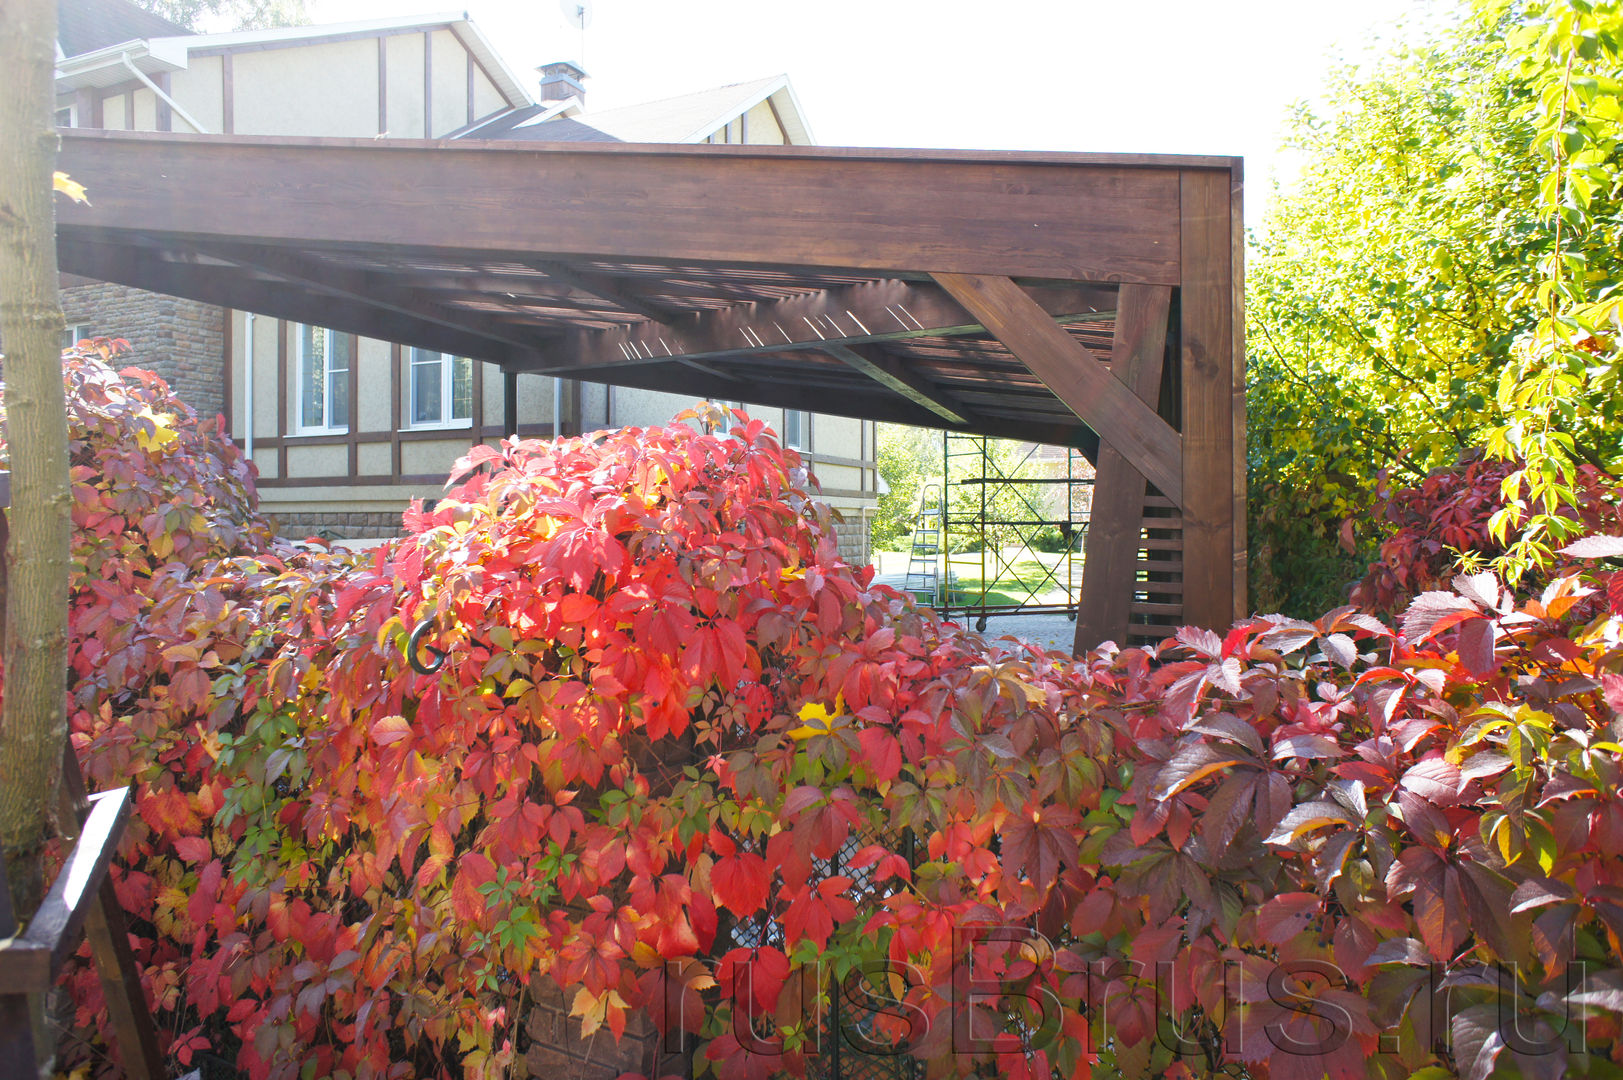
[671, 724]
[1447, 514]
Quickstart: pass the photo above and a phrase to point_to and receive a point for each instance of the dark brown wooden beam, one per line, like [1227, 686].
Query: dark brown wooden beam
[1066, 217]
[1116, 522]
[885, 310]
[1075, 376]
[221, 285]
[892, 374]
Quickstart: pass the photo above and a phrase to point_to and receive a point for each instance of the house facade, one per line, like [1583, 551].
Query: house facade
[346, 430]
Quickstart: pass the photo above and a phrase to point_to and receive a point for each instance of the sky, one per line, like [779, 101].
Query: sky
[1177, 76]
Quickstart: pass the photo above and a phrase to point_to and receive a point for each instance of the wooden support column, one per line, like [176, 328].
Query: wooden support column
[5, 539]
[509, 403]
[1211, 375]
[1116, 523]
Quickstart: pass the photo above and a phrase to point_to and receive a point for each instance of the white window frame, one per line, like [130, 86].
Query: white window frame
[323, 424]
[447, 365]
[73, 333]
[803, 440]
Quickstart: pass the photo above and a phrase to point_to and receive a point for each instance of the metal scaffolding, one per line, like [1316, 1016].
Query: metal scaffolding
[997, 508]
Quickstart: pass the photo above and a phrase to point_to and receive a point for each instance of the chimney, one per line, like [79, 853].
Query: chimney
[561, 81]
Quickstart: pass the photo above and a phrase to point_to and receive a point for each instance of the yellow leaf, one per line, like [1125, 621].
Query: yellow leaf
[163, 432]
[814, 710]
[71, 188]
[820, 717]
[593, 1010]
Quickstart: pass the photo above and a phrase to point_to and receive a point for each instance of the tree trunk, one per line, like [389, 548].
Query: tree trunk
[34, 723]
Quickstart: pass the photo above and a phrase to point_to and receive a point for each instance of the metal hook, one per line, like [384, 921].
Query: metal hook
[414, 643]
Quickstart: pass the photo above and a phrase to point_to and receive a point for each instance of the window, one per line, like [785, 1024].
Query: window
[441, 389]
[74, 333]
[323, 381]
[797, 429]
[65, 116]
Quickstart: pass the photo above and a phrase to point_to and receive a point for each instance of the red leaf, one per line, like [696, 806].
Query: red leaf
[741, 883]
[800, 798]
[473, 870]
[193, 849]
[1287, 916]
[1192, 763]
[1433, 612]
[882, 753]
[1475, 647]
[390, 730]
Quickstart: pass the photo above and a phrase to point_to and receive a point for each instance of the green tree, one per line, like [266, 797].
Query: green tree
[1388, 288]
[909, 458]
[238, 14]
[1559, 394]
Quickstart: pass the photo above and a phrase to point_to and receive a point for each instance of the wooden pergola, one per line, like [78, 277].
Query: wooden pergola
[1091, 301]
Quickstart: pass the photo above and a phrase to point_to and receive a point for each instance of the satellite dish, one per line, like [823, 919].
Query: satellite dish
[578, 12]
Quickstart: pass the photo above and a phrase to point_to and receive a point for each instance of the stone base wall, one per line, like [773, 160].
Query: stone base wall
[855, 536]
[181, 340]
[558, 1052]
[853, 532]
[338, 525]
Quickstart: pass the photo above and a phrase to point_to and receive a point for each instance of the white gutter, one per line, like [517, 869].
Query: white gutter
[163, 96]
[248, 389]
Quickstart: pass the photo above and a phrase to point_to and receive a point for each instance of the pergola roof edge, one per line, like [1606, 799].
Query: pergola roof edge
[727, 150]
[882, 212]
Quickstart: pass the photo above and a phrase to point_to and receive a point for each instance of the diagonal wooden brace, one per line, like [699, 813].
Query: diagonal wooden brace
[1075, 375]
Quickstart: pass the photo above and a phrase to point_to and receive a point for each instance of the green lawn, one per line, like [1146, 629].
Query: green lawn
[1021, 581]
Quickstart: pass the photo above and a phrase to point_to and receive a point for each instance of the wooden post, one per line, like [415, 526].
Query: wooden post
[1110, 569]
[5, 536]
[1211, 371]
[17, 1056]
[509, 404]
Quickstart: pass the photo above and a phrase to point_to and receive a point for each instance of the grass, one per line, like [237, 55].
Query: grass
[1021, 578]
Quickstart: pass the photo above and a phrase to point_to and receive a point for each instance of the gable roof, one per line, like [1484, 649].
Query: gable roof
[87, 25]
[171, 49]
[533, 125]
[690, 118]
[685, 118]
